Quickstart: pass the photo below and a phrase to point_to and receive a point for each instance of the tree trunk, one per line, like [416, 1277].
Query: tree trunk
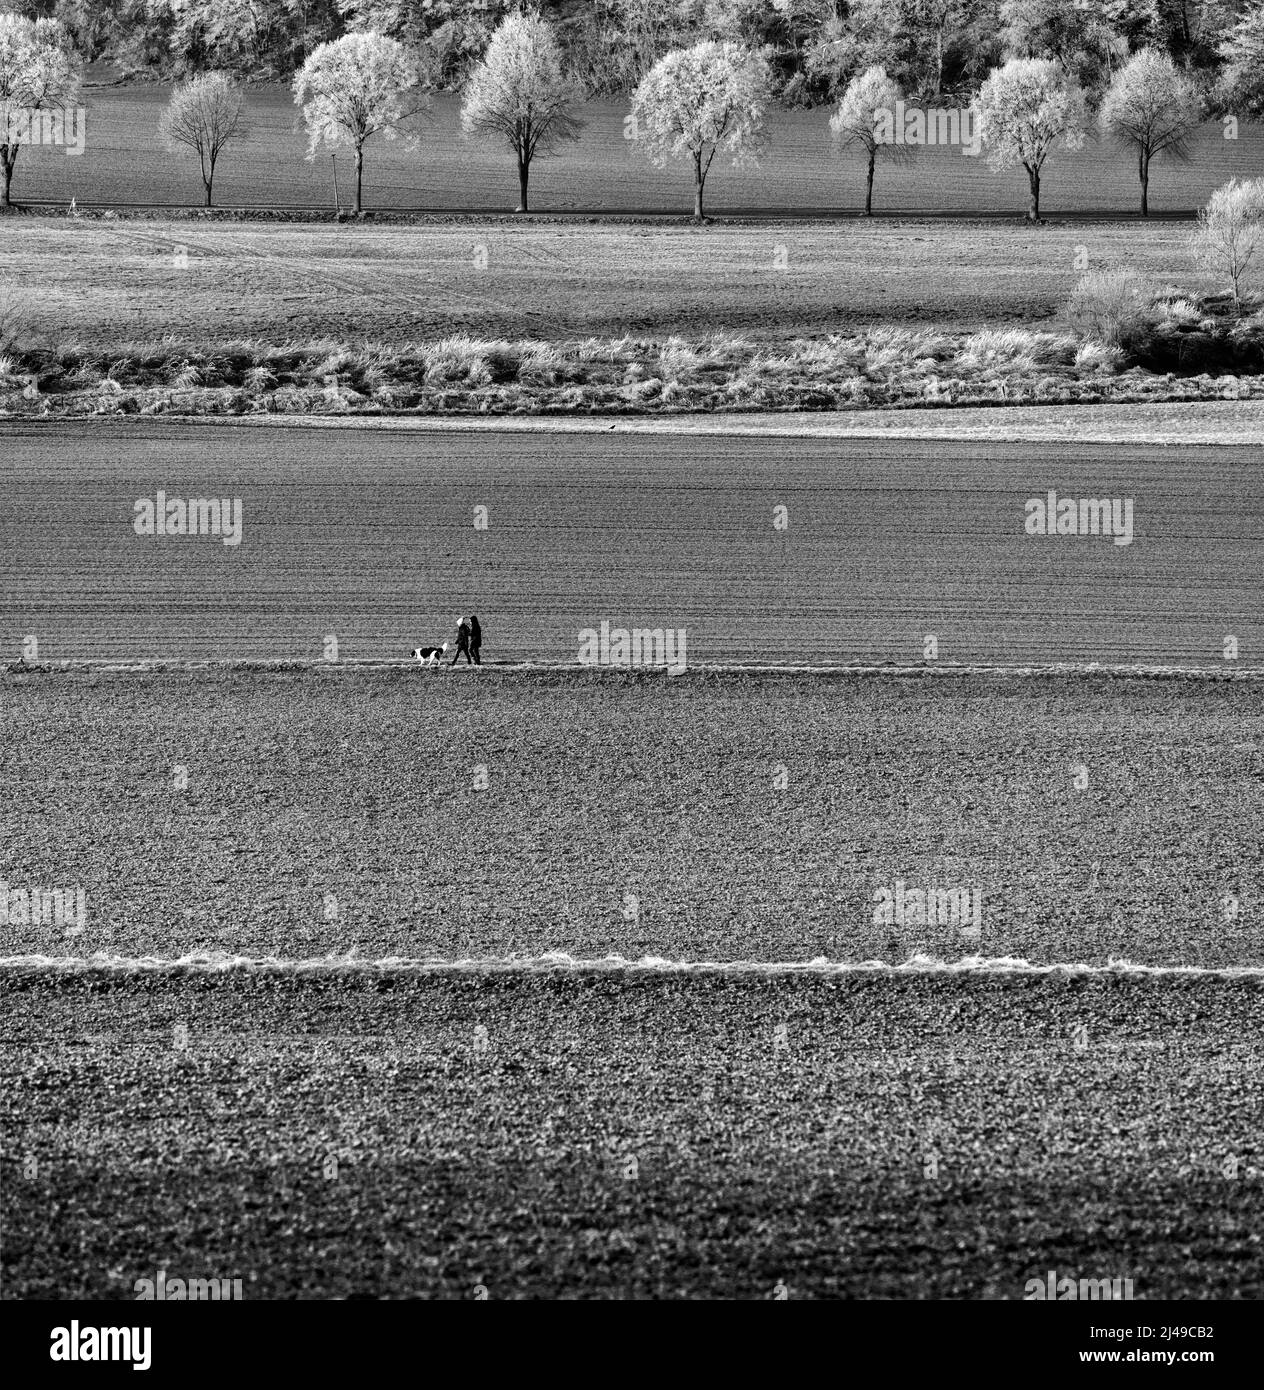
[8, 157]
[1144, 169]
[873, 154]
[697, 185]
[524, 170]
[209, 180]
[1033, 210]
[359, 177]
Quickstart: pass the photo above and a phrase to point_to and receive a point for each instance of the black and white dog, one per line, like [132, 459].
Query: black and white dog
[430, 656]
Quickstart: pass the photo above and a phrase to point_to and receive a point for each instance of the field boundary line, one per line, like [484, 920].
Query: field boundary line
[1159, 424]
[321, 215]
[559, 962]
[1035, 424]
[144, 666]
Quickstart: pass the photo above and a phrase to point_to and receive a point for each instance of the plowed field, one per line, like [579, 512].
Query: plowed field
[372, 538]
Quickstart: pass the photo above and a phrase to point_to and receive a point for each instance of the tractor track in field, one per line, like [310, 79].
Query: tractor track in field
[374, 286]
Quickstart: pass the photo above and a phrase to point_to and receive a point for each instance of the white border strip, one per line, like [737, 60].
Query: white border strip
[1224, 423]
[1207, 421]
[559, 962]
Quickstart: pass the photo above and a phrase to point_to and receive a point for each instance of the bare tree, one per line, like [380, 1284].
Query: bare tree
[1230, 230]
[520, 93]
[39, 72]
[857, 123]
[354, 88]
[1151, 108]
[697, 101]
[204, 114]
[1024, 108]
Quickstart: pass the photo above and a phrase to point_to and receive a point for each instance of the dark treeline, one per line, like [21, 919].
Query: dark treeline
[931, 48]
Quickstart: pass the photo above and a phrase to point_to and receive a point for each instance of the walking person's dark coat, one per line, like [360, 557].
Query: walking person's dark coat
[462, 641]
[476, 638]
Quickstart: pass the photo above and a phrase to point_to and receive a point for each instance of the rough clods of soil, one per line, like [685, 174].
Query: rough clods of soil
[620, 1135]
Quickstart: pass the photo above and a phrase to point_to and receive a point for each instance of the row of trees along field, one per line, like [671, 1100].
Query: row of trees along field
[524, 81]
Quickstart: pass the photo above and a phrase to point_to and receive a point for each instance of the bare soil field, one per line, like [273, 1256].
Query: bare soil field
[212, 283]
[546, 1134]
[370, 537]
[125, 163]
[317, 813]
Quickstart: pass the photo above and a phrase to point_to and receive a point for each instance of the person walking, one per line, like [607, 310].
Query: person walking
[462, 641]
[476, 638]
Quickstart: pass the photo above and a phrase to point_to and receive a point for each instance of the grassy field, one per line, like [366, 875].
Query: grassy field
[693, 818]
[105, 282]
[370, 536]
[548, 1134]
[125, 163]
[150, 316]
